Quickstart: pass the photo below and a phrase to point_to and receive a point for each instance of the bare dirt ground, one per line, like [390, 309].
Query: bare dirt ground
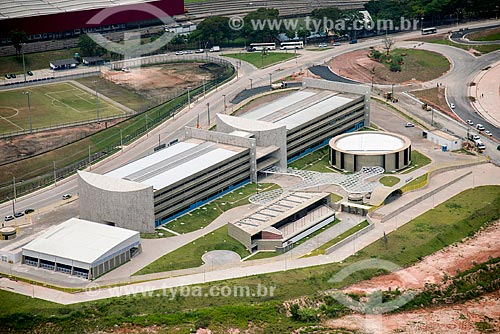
[471, 317]
[155, 81]
[435, 97]
[458, 318]
[19, 147]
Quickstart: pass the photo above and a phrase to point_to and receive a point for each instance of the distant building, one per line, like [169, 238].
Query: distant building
[63, 64]
[53, 19]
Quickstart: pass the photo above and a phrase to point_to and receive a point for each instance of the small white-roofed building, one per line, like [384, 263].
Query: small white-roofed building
[82, 248]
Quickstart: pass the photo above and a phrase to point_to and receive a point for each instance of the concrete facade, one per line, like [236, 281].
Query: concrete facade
[387, 150]
[441, 138]
[116, 202]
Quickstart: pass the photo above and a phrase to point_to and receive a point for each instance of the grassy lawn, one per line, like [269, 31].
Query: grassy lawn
[33, 61]
[321, 250]
[262, 255]
[418, 160]
[435, 96]
[335, 198]
[203, 216]
[317, 161]
[115, 92]
[158, 234]
[51, 104]
[258, 60]
[389, 181]
[486, 35]
[449, 222]
[416, 183]
[189, 256]
[443, 39]
[422, 65]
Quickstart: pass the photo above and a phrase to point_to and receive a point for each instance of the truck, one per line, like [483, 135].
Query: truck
[279, 85]
[215, 49]
[426, 107]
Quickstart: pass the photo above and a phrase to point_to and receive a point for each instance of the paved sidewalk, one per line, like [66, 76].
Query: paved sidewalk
[487, 94]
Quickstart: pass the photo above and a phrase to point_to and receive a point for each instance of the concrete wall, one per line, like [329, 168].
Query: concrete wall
[342, 87]
[132, 210]
[226, 138]
[268, 245]
[240, 235]
[453, 145]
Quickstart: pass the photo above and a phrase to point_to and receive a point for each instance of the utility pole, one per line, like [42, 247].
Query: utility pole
[29, 110]
[55, 177]
[251, 83]
[121, 139]
[224, 95]
[90, 162]
[189, 98]
[96, 102]
[15, 196]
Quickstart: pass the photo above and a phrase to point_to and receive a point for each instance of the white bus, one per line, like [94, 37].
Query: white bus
[262, 46]
[292, 45]
[427, 31]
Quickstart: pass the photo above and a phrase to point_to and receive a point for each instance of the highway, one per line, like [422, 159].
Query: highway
[465, 66]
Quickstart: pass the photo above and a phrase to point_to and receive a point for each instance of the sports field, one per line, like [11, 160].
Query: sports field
[51, 104]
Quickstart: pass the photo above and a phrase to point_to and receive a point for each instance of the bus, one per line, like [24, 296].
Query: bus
[292, 45]
[262, 46]
[427, 31]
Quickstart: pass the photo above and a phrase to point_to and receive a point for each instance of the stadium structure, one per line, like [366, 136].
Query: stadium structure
[53, 19]
[177, 179]
[353, 151]
[82, 248]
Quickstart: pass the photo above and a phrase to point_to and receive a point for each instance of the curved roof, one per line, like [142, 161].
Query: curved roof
[111, 183]
[370, 142]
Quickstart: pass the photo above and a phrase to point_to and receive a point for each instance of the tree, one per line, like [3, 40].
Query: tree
[388, 44]
[88, 47]
[18, 38]
[214, 29]
[257, 25]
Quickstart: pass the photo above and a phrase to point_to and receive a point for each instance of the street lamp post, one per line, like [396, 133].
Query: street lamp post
[224, 96]
[15, 196]
[392, 91]
[121, 139]
[251, 82]
[24, 64]
[189, 98]
[29, 110]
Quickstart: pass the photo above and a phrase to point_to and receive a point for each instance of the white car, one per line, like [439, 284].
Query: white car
[476, 137]
[488, 133]
[452, 105]
[179, 53]
[336, 44]
[469, 122]
[480, 127]
[322, 45]
[66, 196]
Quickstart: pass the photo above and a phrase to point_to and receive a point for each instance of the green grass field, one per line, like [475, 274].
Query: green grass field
[258, 60]
[445, 41]
[51, 105]
[33, 61]
[189, 255]
[389, 181]
[317, 161]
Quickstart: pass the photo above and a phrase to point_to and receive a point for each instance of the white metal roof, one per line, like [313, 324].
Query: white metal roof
[370, 142]
[26, 8]
[298, 108]
[80, 240]
[174, 163]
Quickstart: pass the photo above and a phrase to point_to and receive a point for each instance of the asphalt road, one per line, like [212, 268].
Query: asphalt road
[458, 36]
[465, 66]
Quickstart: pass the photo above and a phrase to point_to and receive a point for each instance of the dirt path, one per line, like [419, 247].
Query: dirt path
[432, 268]
[477, 316]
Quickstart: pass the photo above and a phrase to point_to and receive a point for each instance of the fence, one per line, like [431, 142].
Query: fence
[61, 75]
[156, 116]
[63, 125]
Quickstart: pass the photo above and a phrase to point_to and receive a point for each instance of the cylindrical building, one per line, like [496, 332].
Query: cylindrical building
[352, 151]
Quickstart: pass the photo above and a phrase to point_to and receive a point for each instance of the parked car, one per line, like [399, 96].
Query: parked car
[480, 127]
[498, 148]
[409, 125]
[66, 196]
[12, 75]
[179, 53]
[470, 122]
[28, 211]
[30, 73]
[452, 105]
[476, 137]
[353, 41]
[18, 214]
[9, 217]
[322, 45]
[336, 44]
[126, 69]
[488, 133]
[199, 51]
[7, 76]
